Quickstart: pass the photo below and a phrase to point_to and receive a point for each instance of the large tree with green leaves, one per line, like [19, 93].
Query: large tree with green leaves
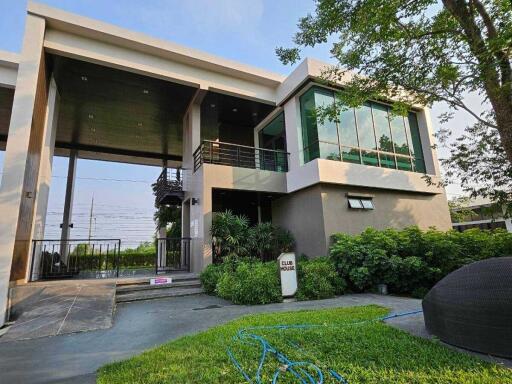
[435, 51]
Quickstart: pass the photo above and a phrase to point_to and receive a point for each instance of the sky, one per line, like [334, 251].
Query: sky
[247, 31]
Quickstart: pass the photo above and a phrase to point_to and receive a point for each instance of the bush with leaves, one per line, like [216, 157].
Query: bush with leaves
[411, 260]
[250, 283]
[269, 241]
[318, 279]
[210, 276]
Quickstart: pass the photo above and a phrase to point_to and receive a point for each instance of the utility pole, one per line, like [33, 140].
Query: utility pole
[90, 219]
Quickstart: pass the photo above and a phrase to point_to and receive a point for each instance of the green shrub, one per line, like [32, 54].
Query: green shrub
[411, 260]
[318, 279]
[251, 283]
[268, 241]
[211, 276]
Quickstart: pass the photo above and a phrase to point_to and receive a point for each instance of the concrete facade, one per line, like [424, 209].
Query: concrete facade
[311, 197]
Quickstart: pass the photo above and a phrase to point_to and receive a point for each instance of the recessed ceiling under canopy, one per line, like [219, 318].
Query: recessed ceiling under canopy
[109, 114]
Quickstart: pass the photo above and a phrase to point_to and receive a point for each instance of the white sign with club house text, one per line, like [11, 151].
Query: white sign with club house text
[288, 271]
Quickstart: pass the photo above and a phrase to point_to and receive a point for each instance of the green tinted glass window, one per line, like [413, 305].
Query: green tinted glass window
[327, 130]
[399, 135]
[387, 161]
[367, 135]
[365, 127]
[272, 136]
[347, 127]
[309, 127]
[382, 131]
[370, 158]
[329, 151]
[417, 151]
[415, 135]
[403, 163]
[351, 155]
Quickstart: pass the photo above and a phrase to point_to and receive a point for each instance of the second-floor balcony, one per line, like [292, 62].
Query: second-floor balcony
[168, 188]
[234, 155]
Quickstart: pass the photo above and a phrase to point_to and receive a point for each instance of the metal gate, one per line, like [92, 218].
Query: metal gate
[173, 254]
[56, 259]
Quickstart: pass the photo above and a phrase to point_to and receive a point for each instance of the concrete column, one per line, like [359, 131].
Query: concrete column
[68, 206]
[200, 247]
[45, 173]
[293, 134]
[22, 158]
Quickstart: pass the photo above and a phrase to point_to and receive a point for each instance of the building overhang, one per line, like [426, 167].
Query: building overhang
[341, 173]
[8, 69]
[86, 39]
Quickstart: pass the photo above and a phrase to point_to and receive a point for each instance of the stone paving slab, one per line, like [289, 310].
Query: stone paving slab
[60, 309]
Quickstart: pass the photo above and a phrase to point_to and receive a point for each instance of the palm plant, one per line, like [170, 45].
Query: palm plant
[230, 234]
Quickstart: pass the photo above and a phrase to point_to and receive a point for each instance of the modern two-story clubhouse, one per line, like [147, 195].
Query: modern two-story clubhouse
[245, 139]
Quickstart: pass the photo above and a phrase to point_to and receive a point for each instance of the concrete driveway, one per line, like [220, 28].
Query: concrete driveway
[74, 358]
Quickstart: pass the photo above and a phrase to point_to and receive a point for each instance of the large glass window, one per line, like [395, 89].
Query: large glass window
[417, 151]
[365, 127]
[273, 137]
[382, 131]
[327, 130]
[309, 126]
[368, 135]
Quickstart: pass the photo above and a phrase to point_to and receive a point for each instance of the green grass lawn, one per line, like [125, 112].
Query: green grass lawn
[370, 352]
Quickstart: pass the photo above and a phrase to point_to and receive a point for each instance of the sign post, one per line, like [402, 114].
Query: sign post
[288, 271]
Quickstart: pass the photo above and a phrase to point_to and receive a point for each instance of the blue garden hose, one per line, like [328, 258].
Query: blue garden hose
[305, 372]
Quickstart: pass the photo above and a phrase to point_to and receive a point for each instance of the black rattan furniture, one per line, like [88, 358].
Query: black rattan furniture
[472, 307]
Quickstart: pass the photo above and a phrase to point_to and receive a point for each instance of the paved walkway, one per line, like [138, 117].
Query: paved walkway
[49, 309]
[74, 358]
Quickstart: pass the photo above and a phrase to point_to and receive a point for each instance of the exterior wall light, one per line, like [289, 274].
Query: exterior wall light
[195, 201]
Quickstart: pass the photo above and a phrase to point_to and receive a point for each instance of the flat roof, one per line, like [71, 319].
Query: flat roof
[9, 59]
[83, 26]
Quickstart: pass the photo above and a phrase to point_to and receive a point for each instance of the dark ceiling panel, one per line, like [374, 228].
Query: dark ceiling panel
[110, 108]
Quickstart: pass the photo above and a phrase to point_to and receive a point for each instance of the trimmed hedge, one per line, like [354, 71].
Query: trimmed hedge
[318, 279]
[255, 282]
[411, 261]
[250, 283]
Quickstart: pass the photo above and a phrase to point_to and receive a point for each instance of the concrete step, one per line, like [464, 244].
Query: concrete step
[127, 288]
[161, 293]
[145, 280]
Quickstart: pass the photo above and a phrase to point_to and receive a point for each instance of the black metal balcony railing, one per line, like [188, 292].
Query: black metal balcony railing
[234, 155]
[169, 187]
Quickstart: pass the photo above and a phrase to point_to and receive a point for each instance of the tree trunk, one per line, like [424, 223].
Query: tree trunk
[504, 121]
[498, 92]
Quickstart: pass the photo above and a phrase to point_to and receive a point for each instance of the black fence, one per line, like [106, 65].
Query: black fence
[56, 259]
[234, 155]
[173, 254]
[104, 258]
